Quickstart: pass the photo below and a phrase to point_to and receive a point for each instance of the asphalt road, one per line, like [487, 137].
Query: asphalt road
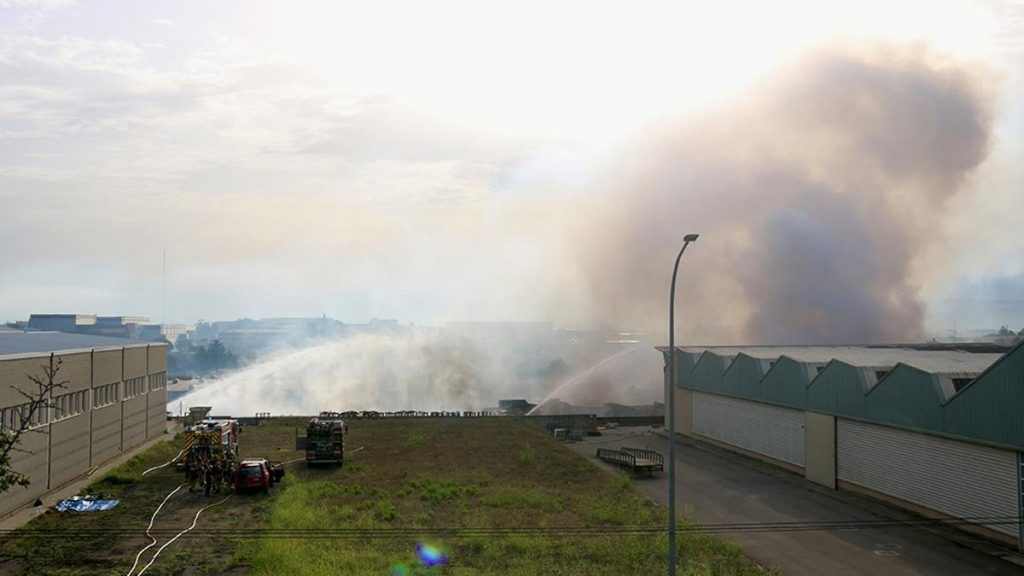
[715, 486]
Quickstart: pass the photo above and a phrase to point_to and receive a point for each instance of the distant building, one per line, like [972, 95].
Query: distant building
[247, 336]
[114, 400]
[154, 332]
[114, 326]
[117, 326]
[76, 323]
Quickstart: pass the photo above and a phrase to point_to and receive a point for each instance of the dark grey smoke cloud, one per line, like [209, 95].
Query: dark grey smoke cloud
[815, 197]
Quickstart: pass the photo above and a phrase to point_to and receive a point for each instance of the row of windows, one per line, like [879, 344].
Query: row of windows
[11, 418]
[134, 386]
[104, 395]
[68, 405]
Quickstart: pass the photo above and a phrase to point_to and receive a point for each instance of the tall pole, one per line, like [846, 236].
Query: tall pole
[163, 298]
[672, 410]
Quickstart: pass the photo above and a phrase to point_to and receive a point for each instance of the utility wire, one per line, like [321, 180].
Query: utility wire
[549, 531]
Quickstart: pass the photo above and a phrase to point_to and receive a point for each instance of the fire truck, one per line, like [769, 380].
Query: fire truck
[209, 437]
[325, 441]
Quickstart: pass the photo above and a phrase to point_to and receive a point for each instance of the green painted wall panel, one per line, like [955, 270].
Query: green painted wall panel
[990, 410]
[743, 377]
[786, 383]
[907, 397]
[992, 407]
[839, 390]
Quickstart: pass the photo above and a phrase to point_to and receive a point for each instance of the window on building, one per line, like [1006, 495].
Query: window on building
[11, 418]
[71, 404]
[104, 395]
[134, 387]
[960, 383]
[158, 380]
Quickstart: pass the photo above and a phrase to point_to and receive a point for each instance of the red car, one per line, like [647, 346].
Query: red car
[253, 475]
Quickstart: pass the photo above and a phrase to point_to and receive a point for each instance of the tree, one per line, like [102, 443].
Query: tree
[182, 343]
[24, 418]
[214, 357]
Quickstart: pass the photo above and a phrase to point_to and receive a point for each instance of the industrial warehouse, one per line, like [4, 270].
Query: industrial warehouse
[939, 432]
[113, 400]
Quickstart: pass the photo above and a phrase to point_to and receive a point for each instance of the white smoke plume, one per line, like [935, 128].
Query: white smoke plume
[818, 194]
[367, 372]
[818, 197]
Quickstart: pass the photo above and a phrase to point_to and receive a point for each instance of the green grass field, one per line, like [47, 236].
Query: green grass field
[477, 489]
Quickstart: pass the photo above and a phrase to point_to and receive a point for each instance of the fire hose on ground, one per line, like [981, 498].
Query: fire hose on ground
[150, 527]
[172, 461]
[195, 520]
[152, 519]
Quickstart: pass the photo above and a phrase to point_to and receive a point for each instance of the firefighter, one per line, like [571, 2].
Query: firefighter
[192, 472]
[229, 471]
[207, 477]
[217, 472]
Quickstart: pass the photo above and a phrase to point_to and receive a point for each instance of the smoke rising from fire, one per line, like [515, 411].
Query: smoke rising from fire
[818, 197]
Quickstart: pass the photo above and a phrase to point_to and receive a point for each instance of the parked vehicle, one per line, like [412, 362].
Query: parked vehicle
[207, 439]
[325, 441]
[257, 474]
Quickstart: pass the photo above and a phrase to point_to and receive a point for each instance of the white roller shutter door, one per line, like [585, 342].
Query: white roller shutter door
[762, 428]
[961, 480]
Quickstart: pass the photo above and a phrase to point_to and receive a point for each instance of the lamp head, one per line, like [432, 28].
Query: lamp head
[690, 237]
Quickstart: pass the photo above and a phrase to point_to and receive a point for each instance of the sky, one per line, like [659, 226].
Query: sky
[457, 160]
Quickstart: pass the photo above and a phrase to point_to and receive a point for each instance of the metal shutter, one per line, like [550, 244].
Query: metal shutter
[762, 428]
[956, 478]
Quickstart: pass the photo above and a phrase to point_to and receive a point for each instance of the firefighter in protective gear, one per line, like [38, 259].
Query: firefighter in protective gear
[217, 472]
[229, 471]
[192, 471]
[207, 477]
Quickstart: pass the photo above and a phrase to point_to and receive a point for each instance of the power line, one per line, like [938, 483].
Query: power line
[546, 531]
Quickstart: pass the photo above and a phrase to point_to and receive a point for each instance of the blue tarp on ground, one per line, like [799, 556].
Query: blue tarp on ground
[85, 505]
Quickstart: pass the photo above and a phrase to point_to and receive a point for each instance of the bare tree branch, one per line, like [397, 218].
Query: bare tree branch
[25, 419]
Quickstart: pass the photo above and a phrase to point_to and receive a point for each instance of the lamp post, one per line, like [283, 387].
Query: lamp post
[672, 410]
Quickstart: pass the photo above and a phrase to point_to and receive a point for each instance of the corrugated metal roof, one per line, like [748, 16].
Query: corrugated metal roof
[18, 343]
[896, 386]
[949, 362]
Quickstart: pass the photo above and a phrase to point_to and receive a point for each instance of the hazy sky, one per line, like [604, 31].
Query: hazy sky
[378, 159]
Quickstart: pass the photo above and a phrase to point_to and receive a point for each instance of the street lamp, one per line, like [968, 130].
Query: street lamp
[672, 410]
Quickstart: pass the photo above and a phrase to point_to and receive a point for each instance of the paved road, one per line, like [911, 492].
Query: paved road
[718, 487]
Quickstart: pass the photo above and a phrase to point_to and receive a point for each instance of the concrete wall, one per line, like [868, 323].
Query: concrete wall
[106, 433]
[157, 361]
[684, 412]
[75, 371]
[69, 437]
[135, 360]
[69, 449]
[105, 442]
[133, 421]
[33, 457]
[820, 447]
[13, 376]
[684, 406]
[156, 413]
[106, 366]
[31, 462]
[61, 451]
